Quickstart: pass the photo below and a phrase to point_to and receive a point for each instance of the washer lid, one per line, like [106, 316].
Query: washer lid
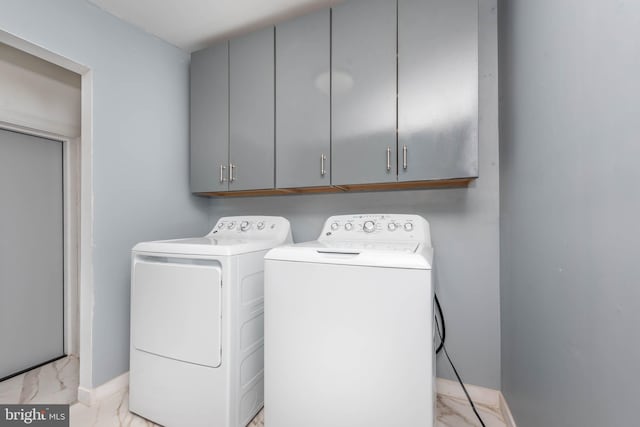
[372, 254]
[355, 245]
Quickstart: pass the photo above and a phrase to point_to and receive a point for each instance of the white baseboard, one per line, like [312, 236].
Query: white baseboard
[481, 395]
[91, 396]
[506, 412]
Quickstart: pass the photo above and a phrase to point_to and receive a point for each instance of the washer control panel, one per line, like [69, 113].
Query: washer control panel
[376, 227]
[256, 227]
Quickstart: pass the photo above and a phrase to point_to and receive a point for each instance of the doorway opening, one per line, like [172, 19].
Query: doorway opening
[48, 104]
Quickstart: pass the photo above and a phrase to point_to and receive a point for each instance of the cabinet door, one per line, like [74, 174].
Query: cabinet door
[210, 118]
[302, 101]
[363, 96]
[437, 89]
[251, 149]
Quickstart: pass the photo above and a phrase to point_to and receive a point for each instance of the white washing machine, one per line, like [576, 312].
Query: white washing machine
[197, 324]
[349, 326]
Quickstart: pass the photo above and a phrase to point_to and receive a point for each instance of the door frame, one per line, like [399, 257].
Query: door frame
[78, 153]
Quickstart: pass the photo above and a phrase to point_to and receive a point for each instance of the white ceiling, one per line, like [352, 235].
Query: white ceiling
[194, 24]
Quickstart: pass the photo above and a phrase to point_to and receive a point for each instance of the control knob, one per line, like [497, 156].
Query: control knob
[244, 225]
[231, 225]
[408, 226]
[392, 226]
[335, 226]
[369, 226]
[260, 225]
[348, 226]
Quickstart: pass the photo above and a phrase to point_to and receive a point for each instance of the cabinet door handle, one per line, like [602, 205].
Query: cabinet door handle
[232, 175]
[404, 157]
[388, 159]
[322, 159]
[223, 168]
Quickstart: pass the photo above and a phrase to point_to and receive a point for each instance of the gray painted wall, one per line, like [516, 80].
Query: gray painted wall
[140, 157]
[570, 206]
[464, 226]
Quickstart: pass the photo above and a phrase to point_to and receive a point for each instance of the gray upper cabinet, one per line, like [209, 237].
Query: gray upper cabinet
[251, 109]
[209, 117]
[303, 101]
[370, 91]
[363, 104]
[437, 89]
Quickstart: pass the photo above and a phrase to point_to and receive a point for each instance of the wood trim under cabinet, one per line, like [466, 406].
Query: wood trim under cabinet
[245, 193]
[409, 185]
[385, 186]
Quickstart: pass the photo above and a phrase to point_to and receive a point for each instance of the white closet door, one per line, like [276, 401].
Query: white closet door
[31, 252]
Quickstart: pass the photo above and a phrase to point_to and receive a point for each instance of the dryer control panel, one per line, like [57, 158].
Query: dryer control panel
[251, 227]
[377, 227]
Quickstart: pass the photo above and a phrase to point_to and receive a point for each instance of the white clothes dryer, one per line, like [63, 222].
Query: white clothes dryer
[349, 326]
[197, 324]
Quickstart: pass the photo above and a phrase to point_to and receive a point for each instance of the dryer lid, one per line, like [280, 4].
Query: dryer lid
[230, 236]
[208, 246]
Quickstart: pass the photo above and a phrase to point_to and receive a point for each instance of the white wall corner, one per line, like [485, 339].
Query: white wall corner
[506, 412]
[93, 396]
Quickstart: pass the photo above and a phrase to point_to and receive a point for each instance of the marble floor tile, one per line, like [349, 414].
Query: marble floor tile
[110, 412]
[56, 382]
[114, 412]
[454, 412]
[450, 412]
[258, 421]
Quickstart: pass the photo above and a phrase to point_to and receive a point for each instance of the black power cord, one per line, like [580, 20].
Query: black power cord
[444, 331]
[441, 335]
